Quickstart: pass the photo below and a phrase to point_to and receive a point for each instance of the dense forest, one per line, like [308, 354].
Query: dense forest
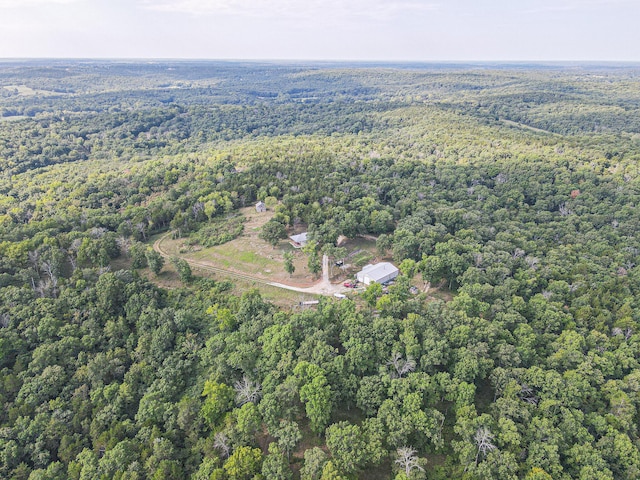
[514, 188]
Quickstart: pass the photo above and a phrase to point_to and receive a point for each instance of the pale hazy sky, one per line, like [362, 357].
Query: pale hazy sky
[420, 30]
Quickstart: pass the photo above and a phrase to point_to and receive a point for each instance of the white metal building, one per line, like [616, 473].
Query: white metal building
[261, 207]
[380, 273]
[299, 240]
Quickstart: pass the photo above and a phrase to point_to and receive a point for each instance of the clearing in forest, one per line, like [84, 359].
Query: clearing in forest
[248, 254]
[250, 260]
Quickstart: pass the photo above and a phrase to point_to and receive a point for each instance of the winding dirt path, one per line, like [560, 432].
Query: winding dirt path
[323, 287]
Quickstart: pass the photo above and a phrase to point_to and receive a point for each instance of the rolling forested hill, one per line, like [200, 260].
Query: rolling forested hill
[512, 189]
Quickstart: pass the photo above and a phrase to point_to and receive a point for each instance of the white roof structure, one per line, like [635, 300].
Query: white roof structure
[380, 273]
[300, 239]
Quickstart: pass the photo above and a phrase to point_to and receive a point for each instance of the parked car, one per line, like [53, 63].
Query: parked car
[349, 284]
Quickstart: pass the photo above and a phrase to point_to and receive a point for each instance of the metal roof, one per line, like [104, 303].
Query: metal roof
[300, 238]
[379, 270]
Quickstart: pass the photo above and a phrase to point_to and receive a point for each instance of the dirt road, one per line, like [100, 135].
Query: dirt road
[323, 287]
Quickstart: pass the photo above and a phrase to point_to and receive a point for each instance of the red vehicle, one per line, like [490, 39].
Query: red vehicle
[349, 285]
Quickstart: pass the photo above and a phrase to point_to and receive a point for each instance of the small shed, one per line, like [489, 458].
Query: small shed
[261, 207]
[379, 273]
[298, 241]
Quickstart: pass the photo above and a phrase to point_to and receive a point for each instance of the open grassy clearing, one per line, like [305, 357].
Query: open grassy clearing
[25, 91]
[526, 127]
[249, 262]
[169, 279]
[248, 254]
[278, 296]
[13, 118]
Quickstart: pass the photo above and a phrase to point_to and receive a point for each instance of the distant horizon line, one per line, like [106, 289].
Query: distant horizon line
[321, 61]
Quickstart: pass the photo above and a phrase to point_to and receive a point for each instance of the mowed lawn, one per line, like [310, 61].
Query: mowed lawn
[250, 255]
[236, 255]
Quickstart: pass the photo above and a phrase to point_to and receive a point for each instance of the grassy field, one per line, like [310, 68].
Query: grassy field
[248, 254]
[278, 296]
[169, 279]
[25, 91]
[287, 299]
